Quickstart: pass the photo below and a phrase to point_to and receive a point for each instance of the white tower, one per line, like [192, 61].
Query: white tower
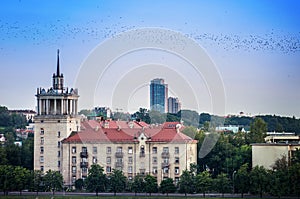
[55, 120]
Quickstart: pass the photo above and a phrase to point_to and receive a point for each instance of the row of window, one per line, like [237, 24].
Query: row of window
[130, 150]
[43, 141]
[42, 132]
[120, 160]
[130, 170]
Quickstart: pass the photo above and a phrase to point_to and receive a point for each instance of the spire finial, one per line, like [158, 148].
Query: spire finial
[57, 70]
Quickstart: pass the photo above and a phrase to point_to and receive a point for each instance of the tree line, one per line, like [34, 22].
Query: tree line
[282, 180]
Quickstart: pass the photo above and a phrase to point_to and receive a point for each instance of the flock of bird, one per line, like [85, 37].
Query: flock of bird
[55, 33]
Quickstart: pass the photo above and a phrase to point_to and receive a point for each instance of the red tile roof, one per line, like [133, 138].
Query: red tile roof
[119, 131]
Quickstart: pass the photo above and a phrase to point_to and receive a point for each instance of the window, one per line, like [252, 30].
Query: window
[94, 150]
[166, 170]
[42, 131]
[142, 149]
[58, 153]
[42, 140]
[154, 160]
[108, 150]
[58, 144]
[108, 169]
[166, 149]
[41, 159]
[154, 170]
[130, 160]
[58, 163]
[119, 160]
[176, 170]
[130, 151]
[84, 170]
[95, 160]
[42, 168]
[73, 159]
[73, 179]
[154, 150]
[176, 150]
[176, 180]
[108, 160]
[41, 149]
[166, 160]
[84, 149]
[58, 134]
[129, 169]
[119, 149]
[73, 149]
[176, 160]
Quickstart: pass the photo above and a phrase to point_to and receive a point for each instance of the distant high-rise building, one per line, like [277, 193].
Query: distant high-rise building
[174, 105]
[158, 95]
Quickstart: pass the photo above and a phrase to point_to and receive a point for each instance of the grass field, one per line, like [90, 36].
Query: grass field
[109, 197]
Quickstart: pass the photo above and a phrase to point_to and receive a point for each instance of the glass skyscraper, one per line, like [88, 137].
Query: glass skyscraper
[159, 95]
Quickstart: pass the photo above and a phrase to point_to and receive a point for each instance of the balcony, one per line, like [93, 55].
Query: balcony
[165, 154]
[84, 154]
[84, 164]
[164, 164]
[119, 164]
[119, 154]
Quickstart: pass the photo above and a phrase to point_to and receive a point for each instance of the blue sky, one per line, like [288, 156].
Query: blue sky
[254, 44]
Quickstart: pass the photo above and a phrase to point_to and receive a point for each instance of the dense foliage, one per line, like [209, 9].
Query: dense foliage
[192, 118]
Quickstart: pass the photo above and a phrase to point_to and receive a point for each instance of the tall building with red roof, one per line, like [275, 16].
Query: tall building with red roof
[133, 147]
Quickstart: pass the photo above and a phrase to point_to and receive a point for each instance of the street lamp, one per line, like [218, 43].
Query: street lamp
[234, 172]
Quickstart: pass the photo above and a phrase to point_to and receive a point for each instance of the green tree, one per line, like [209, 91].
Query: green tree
[37, 180]
[7, 178]
[3, 159]
[258, 131]
[79, 184]
[294, 179]
[241, 181]
[150, 184]
[21, 178]
[138, 184]
[190, 131]
[117, 181]
[222, 183]
[296, 156]
[259, 180]
[203, 182]
[157, 117]
[96, 179]
[279, 178]
[186, 183]
[53, 181]
[167, 186]
[27, 153]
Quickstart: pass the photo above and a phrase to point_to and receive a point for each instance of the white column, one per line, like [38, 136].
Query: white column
[71, 107]
[47, 106]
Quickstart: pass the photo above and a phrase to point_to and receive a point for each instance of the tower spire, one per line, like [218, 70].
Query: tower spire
[57, 70]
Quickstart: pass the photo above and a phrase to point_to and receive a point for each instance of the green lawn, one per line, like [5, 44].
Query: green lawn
[111, 197]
